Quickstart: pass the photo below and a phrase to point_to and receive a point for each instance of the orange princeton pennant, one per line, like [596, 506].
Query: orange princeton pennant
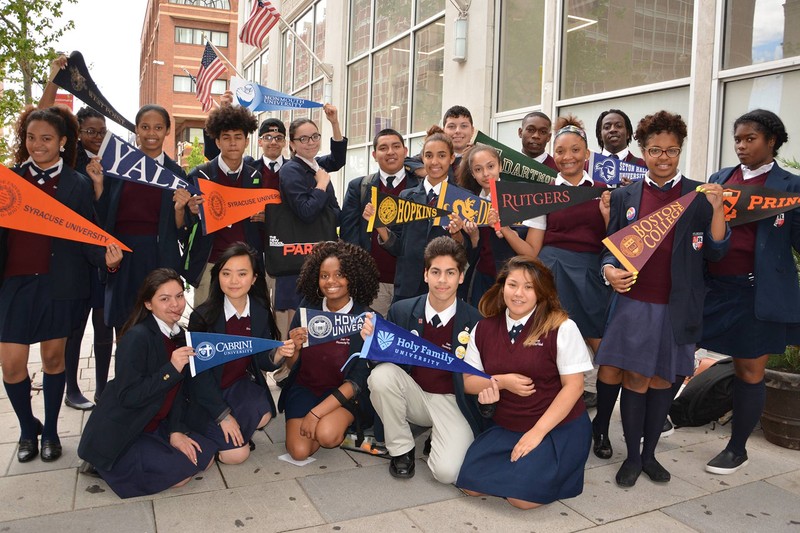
[223, 206]
[24, 207]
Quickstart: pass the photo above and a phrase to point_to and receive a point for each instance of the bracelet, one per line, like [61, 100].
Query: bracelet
[315, 414]
[340, 397]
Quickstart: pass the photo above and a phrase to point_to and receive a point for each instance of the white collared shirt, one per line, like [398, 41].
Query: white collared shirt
[90, 155]
[436, 188]
[445, 316]
[748, 174]
[560, 180]
[541, 158]
[398, 177]
[622, 154]
[225, 168]
[230, 310]
[675, 180]
[165, 329]
[278, 163]
[310, 162]
[344, 310]
[58, 166]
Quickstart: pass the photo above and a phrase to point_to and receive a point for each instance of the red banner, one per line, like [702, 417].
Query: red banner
[223, 206]
[748, 203]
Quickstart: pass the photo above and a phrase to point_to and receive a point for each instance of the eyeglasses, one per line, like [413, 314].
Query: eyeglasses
[655, 151]
[276, 138]
[91, 132]
[303, 139]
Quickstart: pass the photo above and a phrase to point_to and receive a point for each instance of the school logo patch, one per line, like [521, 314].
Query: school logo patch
[205, 351]
[217, 204]
[387, 211]
[461, 352]
[320, 327]
[779, 220]
[463, 337]
[631, 213]
[697, 240]
[729, 199]
[10, 199]
[631, 245]
[385, 339]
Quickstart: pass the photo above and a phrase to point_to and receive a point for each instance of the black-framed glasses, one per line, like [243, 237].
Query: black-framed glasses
[271, 138]
[655, 151]
[303, 139]
[91, 132]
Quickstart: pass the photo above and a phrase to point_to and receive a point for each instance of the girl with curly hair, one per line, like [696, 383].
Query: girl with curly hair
[753, 307]
[320, 400]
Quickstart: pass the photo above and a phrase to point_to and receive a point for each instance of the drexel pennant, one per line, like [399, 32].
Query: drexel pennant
[393, 344]
[324, 326]
[214, 349]
[463, 203]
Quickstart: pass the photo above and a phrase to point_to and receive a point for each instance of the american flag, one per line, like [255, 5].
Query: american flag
[211, 68]
[263, 18]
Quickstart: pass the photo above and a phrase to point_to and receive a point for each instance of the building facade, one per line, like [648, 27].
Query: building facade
[401, 63]
[172, 43]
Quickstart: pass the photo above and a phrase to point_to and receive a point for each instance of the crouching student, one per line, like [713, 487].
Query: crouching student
[135, 438]
[427, 396]
[536, 452]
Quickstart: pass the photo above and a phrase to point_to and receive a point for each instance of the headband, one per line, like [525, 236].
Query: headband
[572, 129]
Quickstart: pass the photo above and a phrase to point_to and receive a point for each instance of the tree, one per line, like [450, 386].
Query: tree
[196, 156]
[31, 27]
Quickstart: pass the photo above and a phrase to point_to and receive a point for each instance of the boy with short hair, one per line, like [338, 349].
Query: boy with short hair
[457, 124]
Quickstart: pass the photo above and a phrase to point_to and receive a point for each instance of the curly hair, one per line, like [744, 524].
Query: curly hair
[62, 120]
[88, 112]
[230, 118]
[357, 266]
[768, 123]
[464, 176]
[435, 133]
[661, 122]
[598, 129]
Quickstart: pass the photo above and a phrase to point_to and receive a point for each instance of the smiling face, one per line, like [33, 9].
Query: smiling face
[236, 277]
[460, 131]
[310, 149]
[570, 153]
[485, 167]
[333, 284]
[390, 153]
[443, 279]
[98, 127]
[519, 294]
[168, 302]
[437, 157]
[614, 133]
[43, 143]
[272, 148]
[151, 131]
[753, 148]
[535, 134]
[662, 168]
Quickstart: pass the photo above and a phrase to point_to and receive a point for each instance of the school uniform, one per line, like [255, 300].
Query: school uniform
[554, 469]
[142, 217]
[426, 396]
[753, 304]
[353, 226]
[127, 435]
[414, 163]
[237, 387]
[547, 160]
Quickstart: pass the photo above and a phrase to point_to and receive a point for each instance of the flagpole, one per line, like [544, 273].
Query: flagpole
[220, 54]
[326, 69]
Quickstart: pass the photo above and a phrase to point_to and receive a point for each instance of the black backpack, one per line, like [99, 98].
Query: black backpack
[706, 398]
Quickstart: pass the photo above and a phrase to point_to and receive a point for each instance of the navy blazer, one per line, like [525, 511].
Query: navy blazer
[410, 315]
[69, 260]
[198, 250]
[169, 254]
[777, 291]
[299, 185]
[353, 227]
[143, 375]
[205, 395]
[688, 286]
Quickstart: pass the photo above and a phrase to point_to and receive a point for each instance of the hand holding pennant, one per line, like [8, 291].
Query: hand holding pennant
[223, 206]
[463, 203]
[516, 202]
[391, 210]
[25, 207]
[323, 326]
[214, 349]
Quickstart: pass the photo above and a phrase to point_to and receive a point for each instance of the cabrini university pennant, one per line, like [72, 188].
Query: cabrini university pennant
[214, 349]
[516, 202]
[324, 326]
[223, 206]
[390, 210]
[463, 203]
[749, 203]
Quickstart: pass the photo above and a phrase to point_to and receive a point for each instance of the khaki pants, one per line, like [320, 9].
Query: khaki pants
[383, 300]
[202, 290]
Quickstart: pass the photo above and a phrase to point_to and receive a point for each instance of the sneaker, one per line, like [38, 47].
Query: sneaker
[668, 428]
[726, 462]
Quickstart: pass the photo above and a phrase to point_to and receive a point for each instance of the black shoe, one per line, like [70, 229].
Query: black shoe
[590, 399]
[88, 469]
[426, 450]
[726, 462]
[29, 448]
[655, 471]
[51, 450]
[602, 446]
[78, 402]
[252, 445]
[402, 466]
[628, 474]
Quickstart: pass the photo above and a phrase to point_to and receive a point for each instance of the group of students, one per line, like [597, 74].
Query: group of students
[465, 288]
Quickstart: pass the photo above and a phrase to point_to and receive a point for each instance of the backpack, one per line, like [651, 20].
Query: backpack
[706, 398]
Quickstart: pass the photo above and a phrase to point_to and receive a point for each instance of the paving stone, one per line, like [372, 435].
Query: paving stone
[487, 513]
[36, 494]
[790, 481]
[654, 521]
[371, 490]
[270, 507]
[8, 452]
[127, 518]
[70, 421]
[756, 506]
[395, 522]
[68, 459]
[276, 429]
[603, 501]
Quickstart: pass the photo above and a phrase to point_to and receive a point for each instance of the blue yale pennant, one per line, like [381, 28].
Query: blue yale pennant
[393, 344]
[214, 349]
[126, 162]
[611, 171]
[324, 326]
[465, 204]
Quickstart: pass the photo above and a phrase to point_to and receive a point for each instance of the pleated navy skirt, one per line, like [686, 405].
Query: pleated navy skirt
[249, 402]
[123, 285]
[286, 295]
[551, 471]
[151, 464]
[29, 314]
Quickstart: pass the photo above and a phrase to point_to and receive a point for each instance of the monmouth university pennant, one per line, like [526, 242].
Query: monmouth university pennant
[394, 344]
[516, 202]
[390, 210]
[517, 166]
[325, 326]
[634, 244]
[748, 203]
[214, 349]
[25, 207]
[463, 203]
[223, 206]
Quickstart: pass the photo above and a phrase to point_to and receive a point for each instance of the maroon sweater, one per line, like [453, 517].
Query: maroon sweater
[162, 413]
[235, 370]
[387, 263]
[139, 209]
[320, 368]
[431, 379]
[580, 228]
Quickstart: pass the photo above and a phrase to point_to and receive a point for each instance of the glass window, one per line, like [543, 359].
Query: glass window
[428, 69]
[619, 44]
[357, 163]
[390, 87]
[316, 96]
[777, 93]
[319, 33]
[215, 4]
[302, 59]
[357, 93]
[288, 60]
[428, 8]
[195, 36]
[219, 86]
[757, 31]
[360, 17]
[182, 84]
[264, 63]
[392, 17]
[521, 53]
[219, 38]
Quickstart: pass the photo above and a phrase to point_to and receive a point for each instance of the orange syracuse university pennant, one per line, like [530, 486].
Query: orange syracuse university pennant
[25, 207]
[223, 206]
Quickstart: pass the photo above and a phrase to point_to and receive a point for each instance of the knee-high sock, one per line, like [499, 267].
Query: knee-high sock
[72, 354]
[633, 407]
[658, 404]
[103, 343]
[19, 394]
[606, 399]
[53, 392]
[748, 403]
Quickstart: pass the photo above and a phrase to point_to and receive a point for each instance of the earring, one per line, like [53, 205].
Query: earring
[61, 149]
